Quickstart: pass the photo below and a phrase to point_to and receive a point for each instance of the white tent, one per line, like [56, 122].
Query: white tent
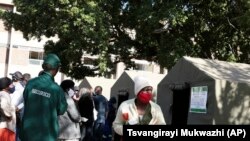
[203, 91]
[123, 88]
[92, 82]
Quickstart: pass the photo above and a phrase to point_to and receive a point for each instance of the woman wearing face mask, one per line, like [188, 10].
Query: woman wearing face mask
[7, 110]
[69, 122]
[140, 110]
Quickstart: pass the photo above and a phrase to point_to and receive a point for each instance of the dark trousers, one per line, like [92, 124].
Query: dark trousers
[98, 131]
[108, 132]
[87, 132]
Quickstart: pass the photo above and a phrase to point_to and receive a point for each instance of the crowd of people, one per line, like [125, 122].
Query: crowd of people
[39, 109]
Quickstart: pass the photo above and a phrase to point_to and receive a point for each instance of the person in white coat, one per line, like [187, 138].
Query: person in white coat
[17, 96]
[17, 99]
[69, 122]
[140, 110]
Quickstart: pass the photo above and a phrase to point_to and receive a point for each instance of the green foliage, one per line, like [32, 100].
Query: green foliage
[206, 29]
[77, 25]
[155, 30]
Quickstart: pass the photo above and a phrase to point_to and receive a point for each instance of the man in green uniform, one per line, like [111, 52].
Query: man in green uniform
[44, 100]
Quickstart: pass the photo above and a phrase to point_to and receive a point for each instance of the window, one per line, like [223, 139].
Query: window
[36, 55]
[88, 61]
[144, 67]
[36, 58]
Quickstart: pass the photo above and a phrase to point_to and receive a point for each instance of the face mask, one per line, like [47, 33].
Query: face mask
[11, 89]
[144, 97]
[71, 93]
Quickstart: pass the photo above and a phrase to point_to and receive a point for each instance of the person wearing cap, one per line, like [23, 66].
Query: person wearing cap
[140, 110]
[17, 76]
[44, 101]
[7, 111]
[17, 98]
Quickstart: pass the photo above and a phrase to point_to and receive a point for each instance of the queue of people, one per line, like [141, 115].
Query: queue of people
[39, 109]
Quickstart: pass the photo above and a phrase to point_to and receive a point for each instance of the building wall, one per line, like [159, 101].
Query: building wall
[20, 57]
[3, 34]
[2, 60]
[3, 55]
[6, 2]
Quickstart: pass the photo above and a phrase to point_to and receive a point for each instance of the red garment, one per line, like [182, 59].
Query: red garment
[6, 135]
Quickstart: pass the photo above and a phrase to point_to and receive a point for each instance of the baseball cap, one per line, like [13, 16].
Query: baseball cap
[17, 75]
[52, 59]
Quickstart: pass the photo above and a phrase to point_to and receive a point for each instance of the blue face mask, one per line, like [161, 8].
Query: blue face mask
[12, 89]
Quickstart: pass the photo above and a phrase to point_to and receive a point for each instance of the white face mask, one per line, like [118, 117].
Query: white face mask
[71, 93]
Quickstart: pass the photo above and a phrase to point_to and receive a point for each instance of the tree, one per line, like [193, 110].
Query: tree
[206, 29]
[155, 30]
[77, 24]
[167, 30]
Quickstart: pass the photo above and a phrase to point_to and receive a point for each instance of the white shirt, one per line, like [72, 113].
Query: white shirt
[11, 125]
[17, 96]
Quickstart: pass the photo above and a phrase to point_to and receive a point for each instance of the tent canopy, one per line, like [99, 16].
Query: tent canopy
[228, 91]
[125, 83]
[92, 82]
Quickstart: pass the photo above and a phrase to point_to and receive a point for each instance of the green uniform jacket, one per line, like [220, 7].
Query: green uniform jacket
[44, 100]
